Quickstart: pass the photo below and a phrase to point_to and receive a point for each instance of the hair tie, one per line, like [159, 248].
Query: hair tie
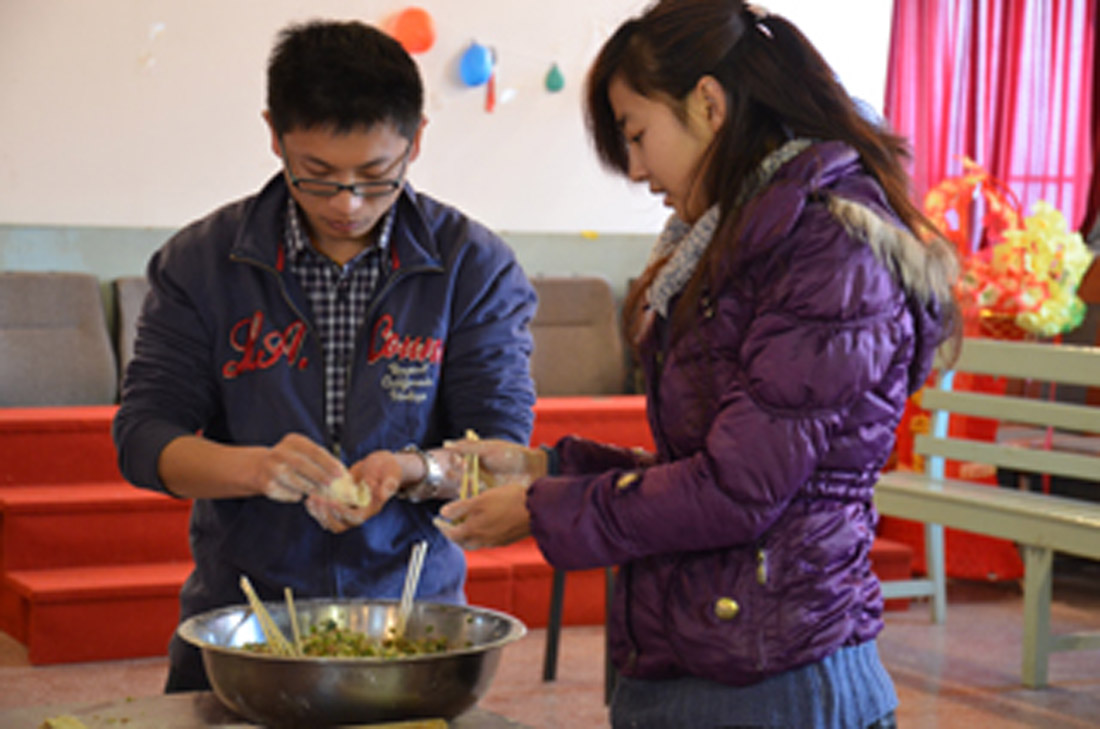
[758, 14]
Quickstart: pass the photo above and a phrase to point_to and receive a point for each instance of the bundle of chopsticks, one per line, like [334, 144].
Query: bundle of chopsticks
[471, 476]
[274, 636]
[282, 647]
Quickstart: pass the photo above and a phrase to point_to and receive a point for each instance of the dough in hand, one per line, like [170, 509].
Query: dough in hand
[347, 490]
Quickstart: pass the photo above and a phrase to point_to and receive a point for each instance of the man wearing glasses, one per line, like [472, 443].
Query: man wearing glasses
[319, 334]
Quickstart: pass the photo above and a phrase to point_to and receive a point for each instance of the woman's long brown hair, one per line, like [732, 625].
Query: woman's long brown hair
[777, 87]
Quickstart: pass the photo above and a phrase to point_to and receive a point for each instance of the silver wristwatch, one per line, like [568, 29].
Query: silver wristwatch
[428, 486]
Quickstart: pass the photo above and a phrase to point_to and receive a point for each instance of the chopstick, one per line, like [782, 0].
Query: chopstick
[288, 594]
[408, 592]
[271, 631]
[471, 478]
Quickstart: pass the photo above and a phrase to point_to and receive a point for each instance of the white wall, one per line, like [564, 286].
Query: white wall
[147, 112]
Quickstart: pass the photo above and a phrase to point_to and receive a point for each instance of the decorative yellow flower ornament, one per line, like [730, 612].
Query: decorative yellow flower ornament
[1023, 278]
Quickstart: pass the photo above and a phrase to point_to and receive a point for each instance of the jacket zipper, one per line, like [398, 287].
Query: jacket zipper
[314, 337]
[762, 566]
[334, 579]
[762, 580]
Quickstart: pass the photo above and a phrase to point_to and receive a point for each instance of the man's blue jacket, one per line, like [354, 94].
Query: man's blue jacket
[226, 345]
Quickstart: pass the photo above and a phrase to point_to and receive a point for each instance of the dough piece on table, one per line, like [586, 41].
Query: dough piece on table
[65, 721]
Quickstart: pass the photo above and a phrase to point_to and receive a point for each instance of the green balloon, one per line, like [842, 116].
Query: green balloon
[555, 81]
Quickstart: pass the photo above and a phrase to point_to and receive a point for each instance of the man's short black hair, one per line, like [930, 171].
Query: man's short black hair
[342, 75]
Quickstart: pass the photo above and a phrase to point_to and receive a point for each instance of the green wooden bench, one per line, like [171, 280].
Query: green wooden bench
[1039, 523]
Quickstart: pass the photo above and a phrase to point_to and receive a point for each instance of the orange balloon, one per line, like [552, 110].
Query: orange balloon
[414, 29]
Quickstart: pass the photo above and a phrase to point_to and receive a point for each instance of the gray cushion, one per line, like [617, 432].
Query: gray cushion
[54, 345]
[130, 294]
[578, 348]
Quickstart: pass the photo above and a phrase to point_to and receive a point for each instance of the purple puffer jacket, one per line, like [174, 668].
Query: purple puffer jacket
[744, 549]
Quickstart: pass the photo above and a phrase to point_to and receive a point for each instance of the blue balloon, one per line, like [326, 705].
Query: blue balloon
[476, 65]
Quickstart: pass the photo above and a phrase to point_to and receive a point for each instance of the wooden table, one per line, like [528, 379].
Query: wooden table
[187, 711]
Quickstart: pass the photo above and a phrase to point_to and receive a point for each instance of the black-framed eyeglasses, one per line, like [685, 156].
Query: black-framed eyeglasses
[366, 189]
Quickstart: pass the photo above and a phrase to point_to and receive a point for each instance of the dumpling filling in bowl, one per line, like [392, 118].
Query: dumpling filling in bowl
[329, 640]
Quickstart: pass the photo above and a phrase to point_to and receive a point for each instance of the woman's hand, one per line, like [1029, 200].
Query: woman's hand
[499, 514]
[505, 461]
[497, 517]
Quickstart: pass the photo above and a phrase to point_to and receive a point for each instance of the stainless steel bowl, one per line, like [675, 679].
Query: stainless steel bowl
[306, 691]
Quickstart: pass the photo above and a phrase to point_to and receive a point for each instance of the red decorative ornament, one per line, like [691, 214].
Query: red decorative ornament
[413, 28]
[949, 205]
[1020, 280]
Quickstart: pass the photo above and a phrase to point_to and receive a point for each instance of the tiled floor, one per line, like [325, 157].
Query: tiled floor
[962, 674]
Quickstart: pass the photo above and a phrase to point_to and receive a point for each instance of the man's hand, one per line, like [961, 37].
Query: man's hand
[373, 481]
[294, 468]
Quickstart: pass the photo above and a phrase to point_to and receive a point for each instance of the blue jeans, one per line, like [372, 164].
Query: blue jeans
[628, 717]
[847, 690]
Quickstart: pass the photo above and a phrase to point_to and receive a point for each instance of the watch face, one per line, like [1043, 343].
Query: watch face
[433, 469]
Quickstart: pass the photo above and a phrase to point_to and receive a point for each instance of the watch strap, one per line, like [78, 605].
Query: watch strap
[428, 486]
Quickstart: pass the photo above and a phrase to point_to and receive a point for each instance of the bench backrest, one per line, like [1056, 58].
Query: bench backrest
[578, 349]
[1076, 451]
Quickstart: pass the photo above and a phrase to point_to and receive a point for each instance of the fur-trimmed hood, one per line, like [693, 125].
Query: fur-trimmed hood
[927, 271]
[831, 173]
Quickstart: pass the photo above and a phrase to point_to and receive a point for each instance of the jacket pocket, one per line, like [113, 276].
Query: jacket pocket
[716, 614]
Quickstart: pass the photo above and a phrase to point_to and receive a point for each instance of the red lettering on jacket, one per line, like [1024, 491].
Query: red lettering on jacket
[385, 343]
[262, 351]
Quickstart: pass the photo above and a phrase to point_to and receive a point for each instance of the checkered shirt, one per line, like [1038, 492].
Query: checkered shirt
[338, 296]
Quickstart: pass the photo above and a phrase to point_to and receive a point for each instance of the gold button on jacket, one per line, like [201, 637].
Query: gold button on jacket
[726, 608]
[625, 480]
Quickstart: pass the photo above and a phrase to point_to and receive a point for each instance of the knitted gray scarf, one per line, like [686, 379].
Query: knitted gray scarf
[687, 242]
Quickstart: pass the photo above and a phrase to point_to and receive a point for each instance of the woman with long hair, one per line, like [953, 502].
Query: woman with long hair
[793, 302]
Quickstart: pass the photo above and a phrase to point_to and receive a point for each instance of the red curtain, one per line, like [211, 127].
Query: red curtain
[1007, 83]
[1091, 221]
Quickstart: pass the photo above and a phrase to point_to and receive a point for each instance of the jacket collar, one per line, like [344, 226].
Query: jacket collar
[771, 214]
[260, 235]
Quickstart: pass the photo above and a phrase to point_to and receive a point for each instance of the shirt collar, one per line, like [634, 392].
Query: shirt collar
[298, 243]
